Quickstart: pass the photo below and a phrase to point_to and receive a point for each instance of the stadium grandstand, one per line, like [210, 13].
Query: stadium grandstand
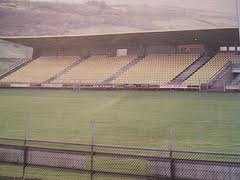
[94, 69]
[198, 59]
[204, 74]
[157, 69]
[40, 69]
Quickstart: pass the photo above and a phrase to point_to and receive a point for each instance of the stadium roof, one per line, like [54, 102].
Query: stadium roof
[218, 36]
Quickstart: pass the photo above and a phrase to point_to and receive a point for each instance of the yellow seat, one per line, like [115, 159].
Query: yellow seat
[40, 69]
[212, 67]
[95, 69]
[157, 69]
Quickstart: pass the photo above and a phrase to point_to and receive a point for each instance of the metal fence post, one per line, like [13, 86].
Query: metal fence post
[224, 85]
[25, 159]
[93, 134]
[199, 86]
[92, 161]
[172, 167]
[170, 149]
[25, 155]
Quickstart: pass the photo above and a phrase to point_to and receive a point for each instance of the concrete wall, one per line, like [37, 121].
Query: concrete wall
[160, 49]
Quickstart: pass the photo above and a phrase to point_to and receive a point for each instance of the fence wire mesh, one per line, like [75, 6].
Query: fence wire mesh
[31, 159]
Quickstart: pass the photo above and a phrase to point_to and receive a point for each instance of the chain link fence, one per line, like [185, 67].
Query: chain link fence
[31, 159]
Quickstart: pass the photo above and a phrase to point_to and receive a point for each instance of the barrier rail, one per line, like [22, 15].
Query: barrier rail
[96, 86]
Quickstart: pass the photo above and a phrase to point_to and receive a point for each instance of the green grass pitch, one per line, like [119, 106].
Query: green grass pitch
[200, 121]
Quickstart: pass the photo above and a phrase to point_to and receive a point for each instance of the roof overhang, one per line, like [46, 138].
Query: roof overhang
[223, 36]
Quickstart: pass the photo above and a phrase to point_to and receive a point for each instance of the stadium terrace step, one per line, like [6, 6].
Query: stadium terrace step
[68, 68]
[191, 69]
[122, 70]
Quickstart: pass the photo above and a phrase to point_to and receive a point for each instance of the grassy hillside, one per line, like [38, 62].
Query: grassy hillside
[12, 54]
[12, 50]
[46, 18]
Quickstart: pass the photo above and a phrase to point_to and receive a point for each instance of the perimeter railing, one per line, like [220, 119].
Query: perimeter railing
[33, 159]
